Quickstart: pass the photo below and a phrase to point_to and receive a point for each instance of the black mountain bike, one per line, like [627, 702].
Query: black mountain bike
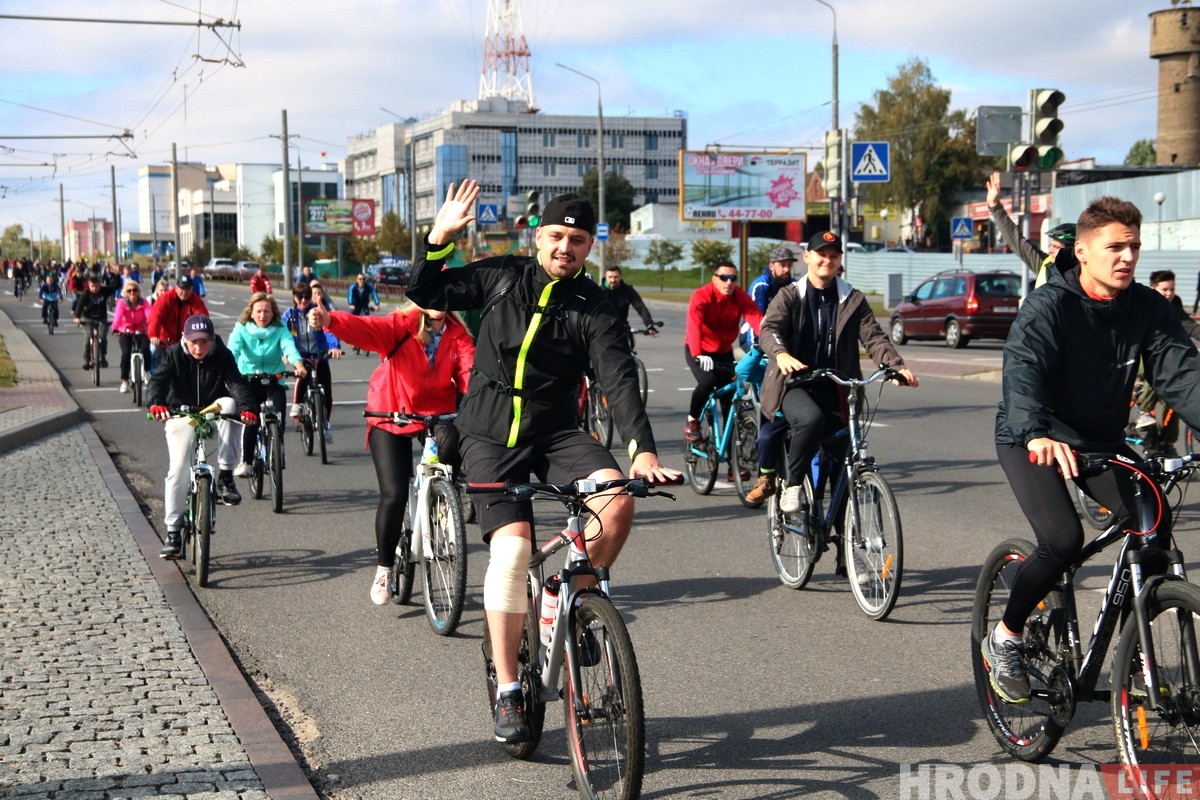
[51, 307]
[1155, 690]
[268, 462]
[312, 413]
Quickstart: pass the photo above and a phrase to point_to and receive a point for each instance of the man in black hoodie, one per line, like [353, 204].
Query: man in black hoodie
[197, 372]
[1069, 367]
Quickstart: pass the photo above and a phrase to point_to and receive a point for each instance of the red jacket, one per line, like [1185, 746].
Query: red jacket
[404, 381]
[168, 315]
[259, 283]
[713, 319]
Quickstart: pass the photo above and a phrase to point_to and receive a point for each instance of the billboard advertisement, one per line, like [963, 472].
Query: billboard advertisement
[329, 217]
[750, 186]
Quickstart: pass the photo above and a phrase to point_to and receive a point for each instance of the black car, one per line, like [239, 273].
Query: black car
[391, 276]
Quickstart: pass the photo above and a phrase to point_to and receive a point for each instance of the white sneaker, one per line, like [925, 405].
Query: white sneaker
[243, 470]
[380, 591]
[124, 387]
[789, 501]
[294, 413]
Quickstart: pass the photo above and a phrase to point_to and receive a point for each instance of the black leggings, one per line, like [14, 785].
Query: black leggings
[808, 421]
[261, 392]
[1046, 501]
[393, 457]
[127, 342]
[715, 378]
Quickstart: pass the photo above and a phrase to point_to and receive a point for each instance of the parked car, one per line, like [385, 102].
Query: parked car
[389, 275]
[246, 267]
[221, 263]
[958, 306]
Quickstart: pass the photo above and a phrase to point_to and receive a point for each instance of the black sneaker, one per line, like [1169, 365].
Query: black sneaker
[227, 490]
[170, 548]
[510, 718]
[104, 363]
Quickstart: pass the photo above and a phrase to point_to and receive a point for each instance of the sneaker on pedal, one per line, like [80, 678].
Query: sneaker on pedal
[381, 586]
[789, 501]
[104, 363]
[764, 487]
[227, 490]
[1006, 669]
[294, 411]
[170, 548]
[124, 388]
[510, 718]
[243, 470]
[691, 430]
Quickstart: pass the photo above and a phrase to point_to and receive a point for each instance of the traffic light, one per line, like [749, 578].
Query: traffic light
[833, 163]
[1021, 157]
[1046, 125]
[533, 209]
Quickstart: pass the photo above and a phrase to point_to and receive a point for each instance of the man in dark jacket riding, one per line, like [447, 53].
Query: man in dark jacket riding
[198, 372]
[543, 321]
[1069, 367]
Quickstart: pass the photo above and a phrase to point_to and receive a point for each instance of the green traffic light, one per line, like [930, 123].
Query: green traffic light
[534, 221]
[1048, 157]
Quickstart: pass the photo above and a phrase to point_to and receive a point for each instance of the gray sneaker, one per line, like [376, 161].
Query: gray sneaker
[1006, 669]
[789, 501]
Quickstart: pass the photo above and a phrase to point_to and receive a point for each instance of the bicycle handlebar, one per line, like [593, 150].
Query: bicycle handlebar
[266, 377]
[884, 373]
[1091, 464]
[657, 324]
[576, 490]
[405, 418]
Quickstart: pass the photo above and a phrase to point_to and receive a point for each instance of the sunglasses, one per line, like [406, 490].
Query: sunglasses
[726, 278]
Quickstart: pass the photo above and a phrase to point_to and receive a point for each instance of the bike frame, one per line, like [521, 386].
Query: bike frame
[722, 434]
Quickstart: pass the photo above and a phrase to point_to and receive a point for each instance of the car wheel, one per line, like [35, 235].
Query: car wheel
[954, 335]
[898, 334]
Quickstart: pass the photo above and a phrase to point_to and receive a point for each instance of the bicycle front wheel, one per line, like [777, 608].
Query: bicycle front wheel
[606, 729]
[318, 418]
[96, 361]
[874, 546]
[259, 466]
[744, 454]
[1028, 731]
[306, 427]
[445, 565]
[275, 464]
[700, 458]
[136, 378]
[202, 518]
[1164, 730]
[792, 538]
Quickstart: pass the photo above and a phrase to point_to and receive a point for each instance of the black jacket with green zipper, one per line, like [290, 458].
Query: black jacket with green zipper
[1070, 362]
[536, 338]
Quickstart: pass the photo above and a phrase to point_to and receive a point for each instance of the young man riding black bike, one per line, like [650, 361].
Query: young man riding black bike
[1070, 363]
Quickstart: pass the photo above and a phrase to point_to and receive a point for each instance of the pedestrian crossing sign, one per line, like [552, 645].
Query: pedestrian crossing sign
[960, 228]
[489, 214]
[870, 162]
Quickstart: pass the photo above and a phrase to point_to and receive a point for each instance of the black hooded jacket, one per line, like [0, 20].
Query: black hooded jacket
[180, 380]
[1070, 362]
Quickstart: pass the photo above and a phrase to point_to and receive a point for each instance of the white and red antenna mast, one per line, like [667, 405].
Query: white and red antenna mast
[505, 55]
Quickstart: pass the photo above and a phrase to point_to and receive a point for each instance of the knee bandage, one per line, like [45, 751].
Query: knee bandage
[504, 583]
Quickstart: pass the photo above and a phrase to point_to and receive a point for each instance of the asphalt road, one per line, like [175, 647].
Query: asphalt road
[752, 690]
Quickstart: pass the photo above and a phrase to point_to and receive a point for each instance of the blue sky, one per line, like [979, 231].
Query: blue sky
[751, 74]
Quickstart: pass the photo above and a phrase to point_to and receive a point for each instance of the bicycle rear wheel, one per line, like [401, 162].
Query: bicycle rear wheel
[700, 458]
[202, 518]
[1170, 733]
[643, 381]
[793, 539]
[445, 566]
[529, 674]
[744, 455]
[136, 377]
[874, 546]
[601, 422]
[403, 568]
[1028, 731]
[275, 464]
[318, 418]
[1094, 514]
[606, 729]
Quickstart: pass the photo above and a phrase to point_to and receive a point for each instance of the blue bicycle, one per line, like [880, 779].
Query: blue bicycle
[729, 437]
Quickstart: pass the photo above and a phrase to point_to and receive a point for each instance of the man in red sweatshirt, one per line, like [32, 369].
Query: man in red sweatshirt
[171, 310]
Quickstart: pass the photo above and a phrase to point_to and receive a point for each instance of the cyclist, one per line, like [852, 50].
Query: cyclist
[316, 345]
[19, 278]
[622, 296]
[427, 358]
[361, 297]
[816, 323]
[171, 310]
[51, 295]
[197, 372]
[1038, 262]
[131, 318]
[197, 282]
[1062, 392]
[260, 343]
[543, 321]
[714, 314]
[775, 275]
[259, 282]
[92, 305]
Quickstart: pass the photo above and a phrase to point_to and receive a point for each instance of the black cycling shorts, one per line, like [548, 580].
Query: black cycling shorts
[558, 458]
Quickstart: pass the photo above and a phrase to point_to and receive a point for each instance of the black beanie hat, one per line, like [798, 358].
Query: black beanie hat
[570, 210]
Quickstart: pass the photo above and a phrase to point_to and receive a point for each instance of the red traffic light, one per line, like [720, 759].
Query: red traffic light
[522, 222]
[1021, 157]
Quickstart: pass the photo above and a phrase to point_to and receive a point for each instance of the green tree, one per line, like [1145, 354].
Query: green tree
[758, 257]
[364, 250]
[932, 147]
[1143, 153]
[13, 243]
[663, 253]
[618, 198]
[272, 250]
[710, 252]
[393, 237]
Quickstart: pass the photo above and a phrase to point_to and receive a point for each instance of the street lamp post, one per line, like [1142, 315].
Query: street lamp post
[1159, 197]
[842, 214]
[883, 215]
[600, 155]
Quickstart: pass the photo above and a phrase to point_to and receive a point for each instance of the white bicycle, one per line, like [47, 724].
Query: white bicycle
[436, 536]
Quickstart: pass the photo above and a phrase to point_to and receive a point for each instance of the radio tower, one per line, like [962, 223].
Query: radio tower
[505, 50]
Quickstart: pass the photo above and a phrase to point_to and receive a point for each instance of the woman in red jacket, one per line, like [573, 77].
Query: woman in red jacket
[426, 360]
